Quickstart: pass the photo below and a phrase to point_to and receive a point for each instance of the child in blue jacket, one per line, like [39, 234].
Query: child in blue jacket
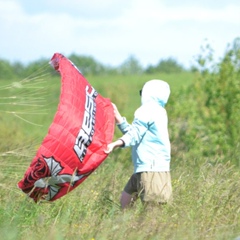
[151, 153]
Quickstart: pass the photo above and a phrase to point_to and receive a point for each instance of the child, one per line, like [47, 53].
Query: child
[149, 139]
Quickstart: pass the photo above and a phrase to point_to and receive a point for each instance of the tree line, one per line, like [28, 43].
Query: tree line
[88, 65]
[131, 66]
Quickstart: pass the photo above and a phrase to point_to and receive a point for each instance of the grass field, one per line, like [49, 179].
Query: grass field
[206, 196]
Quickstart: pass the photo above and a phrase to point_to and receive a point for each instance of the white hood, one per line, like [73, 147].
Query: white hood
[155, 90]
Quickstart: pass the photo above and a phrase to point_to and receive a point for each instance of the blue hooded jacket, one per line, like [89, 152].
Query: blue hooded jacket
[148, 134]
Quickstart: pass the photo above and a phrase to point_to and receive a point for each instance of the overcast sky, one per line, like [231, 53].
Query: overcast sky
[112, 30]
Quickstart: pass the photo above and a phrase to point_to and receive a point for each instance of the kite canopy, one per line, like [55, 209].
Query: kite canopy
[74, 146]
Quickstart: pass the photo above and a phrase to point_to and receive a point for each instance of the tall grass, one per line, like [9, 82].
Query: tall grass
[206, 193]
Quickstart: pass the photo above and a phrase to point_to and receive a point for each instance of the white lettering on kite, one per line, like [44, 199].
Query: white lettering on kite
[84, 137]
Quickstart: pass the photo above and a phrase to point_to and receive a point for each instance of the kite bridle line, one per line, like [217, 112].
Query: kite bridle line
[28, 97]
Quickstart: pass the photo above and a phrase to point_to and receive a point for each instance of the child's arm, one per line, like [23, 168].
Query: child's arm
[118, 117]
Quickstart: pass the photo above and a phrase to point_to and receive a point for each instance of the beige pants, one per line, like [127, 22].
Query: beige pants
[151, 186]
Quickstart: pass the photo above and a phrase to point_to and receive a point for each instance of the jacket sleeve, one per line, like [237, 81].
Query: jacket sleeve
[124, 126]
[133, 132]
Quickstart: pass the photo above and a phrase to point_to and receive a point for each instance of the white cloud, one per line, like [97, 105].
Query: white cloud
[155, 12]
[110, 32]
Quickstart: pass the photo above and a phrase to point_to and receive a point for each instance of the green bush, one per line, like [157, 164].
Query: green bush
[210, 108]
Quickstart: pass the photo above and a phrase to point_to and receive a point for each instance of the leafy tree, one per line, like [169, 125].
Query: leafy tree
[6, 70]
[87, 65]
[130, 66]
[169, 65]
[18, 69]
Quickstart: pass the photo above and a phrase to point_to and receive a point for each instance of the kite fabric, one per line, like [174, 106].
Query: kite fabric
[74, 146]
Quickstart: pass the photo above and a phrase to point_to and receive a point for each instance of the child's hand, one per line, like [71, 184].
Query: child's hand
[110, 148]
[113, 145]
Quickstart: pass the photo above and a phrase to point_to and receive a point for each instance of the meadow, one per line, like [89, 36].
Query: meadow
[205, 180]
